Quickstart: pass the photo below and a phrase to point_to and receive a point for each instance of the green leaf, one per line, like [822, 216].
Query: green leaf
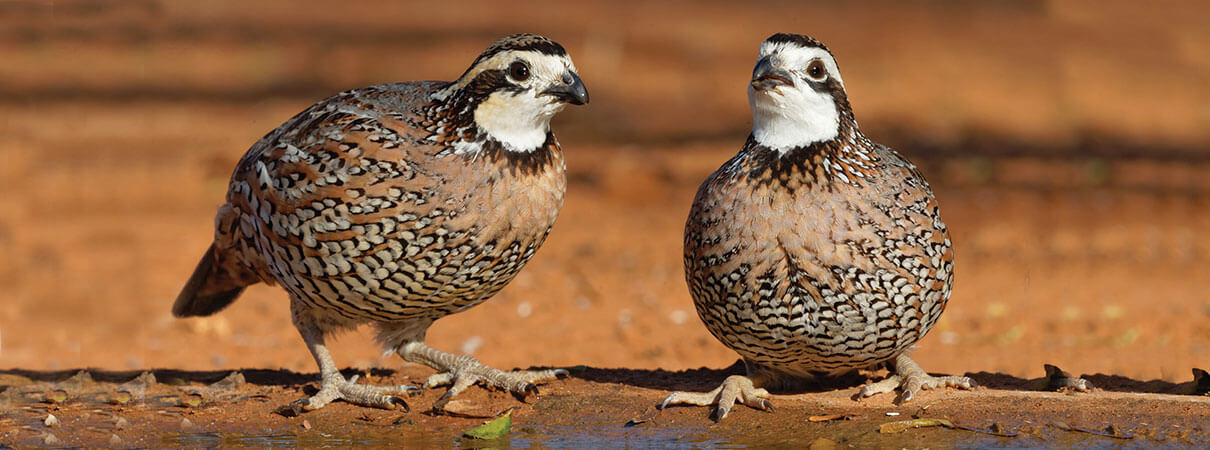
[496, 428]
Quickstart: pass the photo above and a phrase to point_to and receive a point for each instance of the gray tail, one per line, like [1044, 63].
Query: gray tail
[209, 290]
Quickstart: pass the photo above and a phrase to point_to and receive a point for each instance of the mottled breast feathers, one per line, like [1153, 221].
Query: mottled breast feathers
[358, 205]
[820, 260]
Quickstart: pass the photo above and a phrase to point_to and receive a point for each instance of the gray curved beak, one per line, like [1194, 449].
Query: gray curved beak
[571, 91]
[766, 76]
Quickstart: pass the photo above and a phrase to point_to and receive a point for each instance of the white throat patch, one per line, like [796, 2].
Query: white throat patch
[519, 120]
[789, 117]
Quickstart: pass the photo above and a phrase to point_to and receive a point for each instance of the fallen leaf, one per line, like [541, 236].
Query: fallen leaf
[494, 429]
[832, 417]
[306, 425]
[120, 397]
[464, 408]
[1112, 431]
[823, 444]
[995, 430]
[647, 416]
[191, 400]
[904, 425]
[55, 396]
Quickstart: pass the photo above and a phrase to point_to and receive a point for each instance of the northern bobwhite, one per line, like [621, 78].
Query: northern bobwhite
[397, 205]
[814, 251]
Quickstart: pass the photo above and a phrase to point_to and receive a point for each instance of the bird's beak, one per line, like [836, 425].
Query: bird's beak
[572, 90]
[766, 76]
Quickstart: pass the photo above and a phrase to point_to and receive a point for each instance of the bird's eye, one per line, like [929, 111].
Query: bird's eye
[519, 71]
[816, 71]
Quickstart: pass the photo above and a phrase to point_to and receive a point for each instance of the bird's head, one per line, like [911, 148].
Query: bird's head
[796, 93]
[516, 86]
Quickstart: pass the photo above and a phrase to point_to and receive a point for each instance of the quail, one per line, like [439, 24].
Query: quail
[814, 251]
[397, 205]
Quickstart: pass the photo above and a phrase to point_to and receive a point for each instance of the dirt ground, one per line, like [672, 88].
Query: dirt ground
[1068, 144]
[595, 408]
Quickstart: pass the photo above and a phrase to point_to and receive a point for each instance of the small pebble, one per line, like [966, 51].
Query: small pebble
[114, 440]
[678, 317]
[524, 309]
[185, 423]
[472, 345]
[892, 413]
[51, 420]
[51, 439]
[121, 423]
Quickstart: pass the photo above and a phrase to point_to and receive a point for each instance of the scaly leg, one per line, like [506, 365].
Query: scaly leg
[333, 385]
[462, 371]
[911, 378]
[736, 388]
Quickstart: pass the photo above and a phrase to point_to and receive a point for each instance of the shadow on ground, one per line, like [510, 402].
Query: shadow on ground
[704, 379]
[701, 379]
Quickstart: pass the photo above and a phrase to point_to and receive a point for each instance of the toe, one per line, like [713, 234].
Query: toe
[762, 404]
[439, 379]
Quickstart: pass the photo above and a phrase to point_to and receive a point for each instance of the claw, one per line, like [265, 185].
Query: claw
[399, 403]
[766, 405]
[529, 389]
[445, 398]
[304, 405]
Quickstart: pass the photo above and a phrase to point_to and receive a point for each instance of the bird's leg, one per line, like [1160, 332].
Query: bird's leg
[908, 376]
[333, 385]
[462, 371]
[736, 388]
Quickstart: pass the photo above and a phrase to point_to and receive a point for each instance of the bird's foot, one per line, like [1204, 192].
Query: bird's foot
[337, 388]
[735, 389]
[910, 378]
[463, 371]
[521, 383]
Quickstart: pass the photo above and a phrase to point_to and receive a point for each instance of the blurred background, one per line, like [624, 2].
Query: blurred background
[1068, 143]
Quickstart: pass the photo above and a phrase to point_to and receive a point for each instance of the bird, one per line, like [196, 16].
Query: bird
[397, 205]
[814, 252]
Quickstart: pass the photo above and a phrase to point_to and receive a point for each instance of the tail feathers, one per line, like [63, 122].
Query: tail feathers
[209, 290]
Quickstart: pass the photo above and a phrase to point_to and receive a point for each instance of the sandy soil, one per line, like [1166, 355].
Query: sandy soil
[1069, 156]
[594, 408]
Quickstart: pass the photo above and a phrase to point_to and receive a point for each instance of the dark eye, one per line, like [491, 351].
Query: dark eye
[816, 71]
[519, 71]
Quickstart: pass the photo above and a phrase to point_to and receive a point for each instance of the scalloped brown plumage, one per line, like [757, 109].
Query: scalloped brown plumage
[392, 205]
